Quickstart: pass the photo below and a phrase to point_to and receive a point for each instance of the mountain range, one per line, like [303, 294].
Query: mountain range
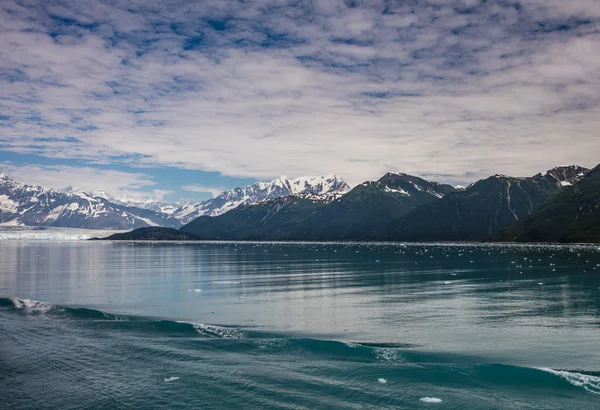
[561, 204]
[323, 189]
[397, 207]
[484, 209]
[364, 211]
[31, 205]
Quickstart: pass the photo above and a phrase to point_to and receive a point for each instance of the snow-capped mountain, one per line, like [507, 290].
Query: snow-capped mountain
[565, 175]
[152, 204]
[30, 205]
[156, 205]
[323, 188]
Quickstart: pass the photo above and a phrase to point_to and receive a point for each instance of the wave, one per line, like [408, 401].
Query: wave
[398, 355]
[268, 342]
[589, 382]
[93, 317]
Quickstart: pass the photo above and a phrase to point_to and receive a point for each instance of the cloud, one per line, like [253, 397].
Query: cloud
[443, 87]
[213, 190]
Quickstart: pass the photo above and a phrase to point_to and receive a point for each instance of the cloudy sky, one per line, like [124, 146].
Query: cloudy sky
[184, 98]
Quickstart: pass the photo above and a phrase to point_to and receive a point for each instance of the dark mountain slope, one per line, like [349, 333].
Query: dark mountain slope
[483, 209]
[571, 216]
[366, 210]
[278, 219]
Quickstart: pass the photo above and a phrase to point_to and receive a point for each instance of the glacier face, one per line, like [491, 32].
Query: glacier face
[31, 205]
[51, 234]
[323, 188]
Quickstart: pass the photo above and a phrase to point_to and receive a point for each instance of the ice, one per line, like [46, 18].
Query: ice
[53, 234]
[171, 379]
[382, 380]
[430, 400]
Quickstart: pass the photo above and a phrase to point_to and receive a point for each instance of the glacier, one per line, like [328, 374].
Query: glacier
[52, 234]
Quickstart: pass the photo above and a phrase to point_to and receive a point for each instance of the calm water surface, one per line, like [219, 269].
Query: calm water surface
[284, 325]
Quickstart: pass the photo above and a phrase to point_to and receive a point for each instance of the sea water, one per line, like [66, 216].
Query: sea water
[298, 325]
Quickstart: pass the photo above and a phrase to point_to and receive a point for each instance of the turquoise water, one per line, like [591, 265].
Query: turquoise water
[273, 325]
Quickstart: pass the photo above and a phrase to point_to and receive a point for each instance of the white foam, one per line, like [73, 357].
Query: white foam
[430, 400]
[171, 379]
[387, 354]
[227, 282]
[197, 290]
[218, 331]
[382, 380]
[32, 306]
[588, 382]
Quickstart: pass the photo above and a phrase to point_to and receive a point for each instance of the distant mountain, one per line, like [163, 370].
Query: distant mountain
[157, 205]
[572, 216]
[31, 205]
[321, 188]
[483, 209]
[361, 213]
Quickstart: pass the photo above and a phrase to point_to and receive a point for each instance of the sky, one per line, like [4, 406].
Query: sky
[182, 99]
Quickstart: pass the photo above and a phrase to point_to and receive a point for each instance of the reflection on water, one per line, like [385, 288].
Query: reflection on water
[525, 304]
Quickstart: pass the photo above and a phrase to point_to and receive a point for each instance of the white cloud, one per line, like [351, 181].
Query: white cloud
[213, 190]
[424, 89]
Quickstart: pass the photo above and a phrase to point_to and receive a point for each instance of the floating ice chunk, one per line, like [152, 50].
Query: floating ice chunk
[171, 379]
[430, 400]
[382, 380]
[540, 283]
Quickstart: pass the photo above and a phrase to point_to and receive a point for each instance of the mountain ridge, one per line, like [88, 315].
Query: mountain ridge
[484, 208]
[33, 205]
[571, 216]
[365, 209]
[323, 188]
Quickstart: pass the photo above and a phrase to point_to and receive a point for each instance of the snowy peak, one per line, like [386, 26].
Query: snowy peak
[565, 175]
[317, 188]
[330, 184]
[410, 185]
